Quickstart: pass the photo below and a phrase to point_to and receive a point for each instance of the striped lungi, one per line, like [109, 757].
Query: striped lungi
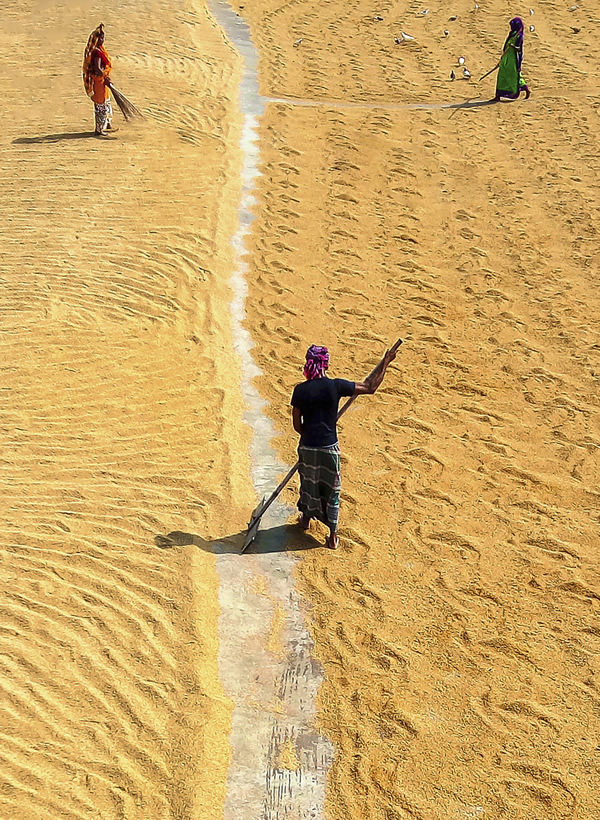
[320, 483]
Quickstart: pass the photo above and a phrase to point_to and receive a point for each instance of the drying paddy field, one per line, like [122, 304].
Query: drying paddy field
[458, 625]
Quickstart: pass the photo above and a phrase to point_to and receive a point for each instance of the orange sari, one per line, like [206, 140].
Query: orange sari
[95, 86]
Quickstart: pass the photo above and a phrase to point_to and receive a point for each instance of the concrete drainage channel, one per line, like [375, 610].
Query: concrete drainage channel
[279, 763]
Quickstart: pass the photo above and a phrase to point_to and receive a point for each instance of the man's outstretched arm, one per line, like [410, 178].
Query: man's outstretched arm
[370, 384]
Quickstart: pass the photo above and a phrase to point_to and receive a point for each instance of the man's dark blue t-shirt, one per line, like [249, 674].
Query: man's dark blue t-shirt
[318, 401]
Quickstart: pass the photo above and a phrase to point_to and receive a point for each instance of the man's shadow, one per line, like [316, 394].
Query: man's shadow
[283, 538]
[78, 135]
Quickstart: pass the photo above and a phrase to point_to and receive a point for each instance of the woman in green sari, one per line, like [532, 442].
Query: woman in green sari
[510, 83]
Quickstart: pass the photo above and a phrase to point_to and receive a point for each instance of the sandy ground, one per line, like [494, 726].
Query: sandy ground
[459, 622]
[120, 414]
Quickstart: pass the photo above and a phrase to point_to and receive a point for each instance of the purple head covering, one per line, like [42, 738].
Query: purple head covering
[516, 28]
[317, 361]
[516, 25]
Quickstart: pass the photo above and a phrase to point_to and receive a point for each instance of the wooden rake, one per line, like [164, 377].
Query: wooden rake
[266, 502]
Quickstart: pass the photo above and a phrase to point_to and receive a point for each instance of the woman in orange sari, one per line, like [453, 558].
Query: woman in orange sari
[96, 79]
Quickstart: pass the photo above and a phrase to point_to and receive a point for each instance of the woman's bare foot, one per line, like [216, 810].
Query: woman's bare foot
[333, 541]
[304, 521]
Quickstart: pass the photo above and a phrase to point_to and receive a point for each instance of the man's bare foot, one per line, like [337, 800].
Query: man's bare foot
[304, 521]
[333, 541]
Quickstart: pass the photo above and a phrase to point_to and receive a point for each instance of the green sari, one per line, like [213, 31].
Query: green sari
[510, 81]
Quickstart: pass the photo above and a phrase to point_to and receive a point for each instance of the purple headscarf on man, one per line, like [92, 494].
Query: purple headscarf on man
[317, 362]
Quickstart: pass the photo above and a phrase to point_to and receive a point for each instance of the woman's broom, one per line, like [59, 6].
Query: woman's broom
[127, 108]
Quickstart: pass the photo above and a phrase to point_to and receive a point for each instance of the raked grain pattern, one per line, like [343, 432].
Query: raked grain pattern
[120, 414]
[458, 624]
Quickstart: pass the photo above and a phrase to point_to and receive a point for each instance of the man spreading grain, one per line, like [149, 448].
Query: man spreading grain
[315, 407]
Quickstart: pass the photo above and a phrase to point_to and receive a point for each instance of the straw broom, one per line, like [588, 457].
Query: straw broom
[127, 108]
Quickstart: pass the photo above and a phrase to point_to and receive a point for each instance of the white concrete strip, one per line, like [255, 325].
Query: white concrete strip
[279, 762]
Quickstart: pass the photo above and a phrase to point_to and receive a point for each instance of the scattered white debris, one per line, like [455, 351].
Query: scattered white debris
[378, 18]
[424, 12]
[446, 32]
[297, 42]
[466, 74]
[531, 11]
[461, 61]
[405, 37]
[531, 28]
[573, 8]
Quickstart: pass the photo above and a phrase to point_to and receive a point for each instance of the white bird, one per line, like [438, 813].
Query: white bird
[531, 28]
[466, 74]
[446, 32]
[452, 75]
[461, 60]
[297, 42]
[405, 37]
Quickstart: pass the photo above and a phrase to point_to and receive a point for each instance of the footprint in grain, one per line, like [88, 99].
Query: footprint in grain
[529, 711]
[554, 547]
[367, 597]
[454, 541]
[547, 789]
[384, 656]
